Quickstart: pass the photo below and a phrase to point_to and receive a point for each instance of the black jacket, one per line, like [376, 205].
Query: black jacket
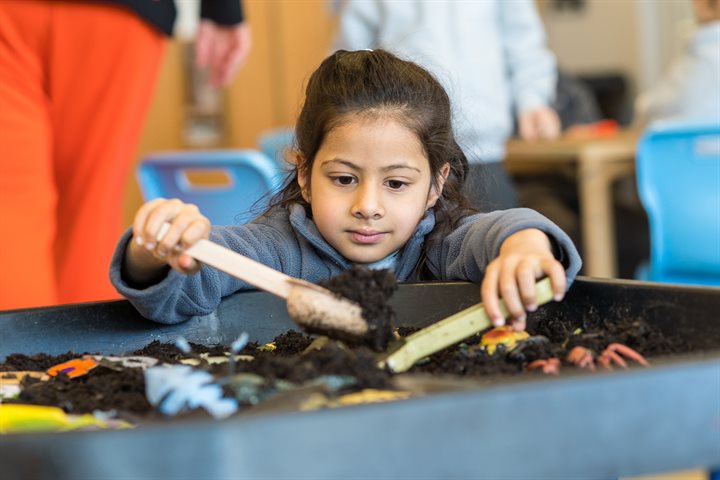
[161, 13]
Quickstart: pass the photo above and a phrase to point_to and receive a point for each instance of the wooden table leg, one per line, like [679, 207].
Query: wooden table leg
[595, 178]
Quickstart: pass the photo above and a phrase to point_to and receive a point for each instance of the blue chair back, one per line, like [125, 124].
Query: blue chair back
[230, 187]
[678, 174]
[276, 143]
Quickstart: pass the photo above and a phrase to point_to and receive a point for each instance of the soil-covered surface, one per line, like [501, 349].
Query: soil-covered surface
[301, 359]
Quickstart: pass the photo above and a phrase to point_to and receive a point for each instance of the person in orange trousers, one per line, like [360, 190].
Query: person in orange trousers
[76, 81]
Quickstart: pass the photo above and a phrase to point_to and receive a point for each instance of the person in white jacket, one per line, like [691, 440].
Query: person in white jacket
[489, 55]
[690, 90]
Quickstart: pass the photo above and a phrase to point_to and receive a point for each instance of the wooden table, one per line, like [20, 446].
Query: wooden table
[599, 163]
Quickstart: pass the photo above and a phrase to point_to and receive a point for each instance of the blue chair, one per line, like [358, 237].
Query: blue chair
[275, 144]
[678, 175]
[230, 187]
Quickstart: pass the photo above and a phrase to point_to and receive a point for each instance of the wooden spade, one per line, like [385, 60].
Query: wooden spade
[309, 305]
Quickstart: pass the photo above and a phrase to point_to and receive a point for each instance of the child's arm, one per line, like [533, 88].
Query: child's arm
[506, 251]
[168, 295]
[147, 258]
[525, 256]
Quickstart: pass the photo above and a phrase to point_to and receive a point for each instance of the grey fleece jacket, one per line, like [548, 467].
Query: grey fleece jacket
[289, 241]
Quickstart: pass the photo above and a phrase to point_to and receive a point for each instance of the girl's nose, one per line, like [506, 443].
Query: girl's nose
[367, 203]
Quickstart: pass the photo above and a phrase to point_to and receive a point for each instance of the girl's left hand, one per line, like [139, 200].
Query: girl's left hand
[525, 256]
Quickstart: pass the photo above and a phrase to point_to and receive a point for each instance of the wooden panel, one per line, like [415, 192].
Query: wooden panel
[163, 125]
[308, 28]
[291, 38]
[251, 95]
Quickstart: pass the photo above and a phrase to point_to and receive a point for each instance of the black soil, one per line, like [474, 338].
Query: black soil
[296, 360]
[103, 389]
[371, 289]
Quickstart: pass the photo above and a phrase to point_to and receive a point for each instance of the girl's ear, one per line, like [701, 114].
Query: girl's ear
[437, 187]
[302, 178]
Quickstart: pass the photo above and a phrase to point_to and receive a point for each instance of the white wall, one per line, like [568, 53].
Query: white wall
[635, 37]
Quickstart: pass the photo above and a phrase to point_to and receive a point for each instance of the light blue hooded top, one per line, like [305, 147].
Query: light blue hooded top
[289, 241]
[690, 90]
[489, 55]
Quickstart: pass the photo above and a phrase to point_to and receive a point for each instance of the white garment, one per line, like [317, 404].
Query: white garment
[490, 56]
[690, 91]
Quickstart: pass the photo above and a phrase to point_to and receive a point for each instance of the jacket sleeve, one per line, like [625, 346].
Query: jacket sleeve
[465, 253]
[179, 297]
[223, 12]
[677, 93]
[531, 65]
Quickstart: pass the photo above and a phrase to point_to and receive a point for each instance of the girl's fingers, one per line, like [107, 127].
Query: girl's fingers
[164, 213]
[182, 221]
[526, 276]
[186, 230]
[489, 294]
[185, 263]
[141, 219]
[186, 226]
[556, 272]
[188, 263]
[198, 229]
[510, 294]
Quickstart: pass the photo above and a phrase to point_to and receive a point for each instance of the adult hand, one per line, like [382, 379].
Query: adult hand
[539, 123]
[222, 49]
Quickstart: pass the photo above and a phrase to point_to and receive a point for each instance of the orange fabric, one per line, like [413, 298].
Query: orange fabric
[76, 80]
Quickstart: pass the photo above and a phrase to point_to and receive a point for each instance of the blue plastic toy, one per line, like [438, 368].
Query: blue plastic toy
[678, 174]
[241, 182]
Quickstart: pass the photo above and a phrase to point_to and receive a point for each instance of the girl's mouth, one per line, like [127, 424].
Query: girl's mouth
[366, 238]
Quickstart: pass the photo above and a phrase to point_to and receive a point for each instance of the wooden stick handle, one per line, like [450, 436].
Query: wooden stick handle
[239, 266]
[242, 267]
[451, 330]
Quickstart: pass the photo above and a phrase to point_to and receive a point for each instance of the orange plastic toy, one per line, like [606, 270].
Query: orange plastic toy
[73, 368]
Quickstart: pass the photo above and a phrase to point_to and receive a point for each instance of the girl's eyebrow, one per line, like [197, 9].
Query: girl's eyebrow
[351, 165]
[398, 166]
[343, 162]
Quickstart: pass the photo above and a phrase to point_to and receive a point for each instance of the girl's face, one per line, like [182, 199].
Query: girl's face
[370, 186]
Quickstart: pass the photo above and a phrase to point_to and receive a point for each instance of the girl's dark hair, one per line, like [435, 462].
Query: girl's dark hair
[376, 83]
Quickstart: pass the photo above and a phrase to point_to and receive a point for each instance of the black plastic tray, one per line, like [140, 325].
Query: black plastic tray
[578, 425]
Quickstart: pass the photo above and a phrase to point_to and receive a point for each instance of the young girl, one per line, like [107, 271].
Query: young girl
[377, 182]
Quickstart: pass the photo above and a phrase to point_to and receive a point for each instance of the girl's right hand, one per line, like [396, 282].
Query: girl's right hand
[147, 255]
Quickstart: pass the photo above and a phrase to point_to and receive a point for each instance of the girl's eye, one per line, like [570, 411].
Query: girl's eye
[396, 184]
[343, 180]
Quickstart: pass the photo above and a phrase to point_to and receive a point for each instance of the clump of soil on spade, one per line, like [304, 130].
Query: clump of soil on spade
[371, 289]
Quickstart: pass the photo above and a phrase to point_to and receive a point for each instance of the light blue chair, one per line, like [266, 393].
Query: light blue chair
[275, 144]
[231, 187]
[678, 175]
